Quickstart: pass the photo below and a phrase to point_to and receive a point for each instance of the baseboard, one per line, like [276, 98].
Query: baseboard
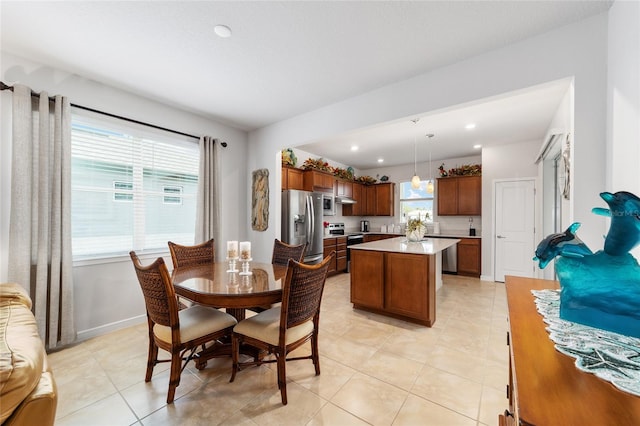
[108, 328]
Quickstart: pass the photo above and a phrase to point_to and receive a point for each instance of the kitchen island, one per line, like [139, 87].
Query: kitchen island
[398, 278]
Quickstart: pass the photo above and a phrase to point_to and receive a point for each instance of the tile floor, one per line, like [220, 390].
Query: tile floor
[375, 370]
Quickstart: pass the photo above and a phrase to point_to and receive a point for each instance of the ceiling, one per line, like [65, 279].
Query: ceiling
[287, 58]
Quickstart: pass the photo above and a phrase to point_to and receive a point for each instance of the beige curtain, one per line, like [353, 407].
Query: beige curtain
[208, 206]
[40, 221]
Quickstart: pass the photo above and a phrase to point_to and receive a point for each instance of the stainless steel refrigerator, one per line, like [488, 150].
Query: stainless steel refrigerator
[302, 222]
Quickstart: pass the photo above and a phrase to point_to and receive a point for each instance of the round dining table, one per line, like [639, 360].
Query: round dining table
[213, 285]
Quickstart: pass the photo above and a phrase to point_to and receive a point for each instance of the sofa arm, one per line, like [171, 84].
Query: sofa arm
[39, 407]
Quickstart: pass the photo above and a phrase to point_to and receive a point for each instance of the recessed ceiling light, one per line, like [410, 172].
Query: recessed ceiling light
[470, 126]
[380, 160]
[477, 146]
[354, 148]
[222, 31]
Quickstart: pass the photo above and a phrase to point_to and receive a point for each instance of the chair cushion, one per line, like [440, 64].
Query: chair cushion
[22, 354]
[266, 327]
[195, 322]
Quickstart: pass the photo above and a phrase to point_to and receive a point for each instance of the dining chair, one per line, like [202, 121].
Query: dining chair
[178, 332]
[282, 252]
[199, 254]
[282, 329]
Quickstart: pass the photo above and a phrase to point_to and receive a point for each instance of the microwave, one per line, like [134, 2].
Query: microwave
[328, 205]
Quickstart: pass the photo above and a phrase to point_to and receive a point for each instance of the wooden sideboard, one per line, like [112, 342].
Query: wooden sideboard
[545, 387]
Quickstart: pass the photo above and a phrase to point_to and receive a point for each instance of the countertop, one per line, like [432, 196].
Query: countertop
[401, 245]
[447, 235]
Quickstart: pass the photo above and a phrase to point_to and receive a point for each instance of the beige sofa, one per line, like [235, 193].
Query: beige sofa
[28, 394]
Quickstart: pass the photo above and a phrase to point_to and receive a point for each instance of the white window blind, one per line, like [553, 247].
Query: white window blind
[415, 202]
[133, 188]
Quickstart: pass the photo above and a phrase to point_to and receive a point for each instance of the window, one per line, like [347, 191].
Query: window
[175, 194]
[122, 191]
[133, 187]
[415, 202]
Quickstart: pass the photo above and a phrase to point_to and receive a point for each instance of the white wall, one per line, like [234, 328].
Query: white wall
[512, 161]
[577, 50]
[623, 101]
[108, 294]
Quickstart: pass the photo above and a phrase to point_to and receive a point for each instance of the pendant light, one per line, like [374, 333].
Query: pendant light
[430, 183]
[415, 180]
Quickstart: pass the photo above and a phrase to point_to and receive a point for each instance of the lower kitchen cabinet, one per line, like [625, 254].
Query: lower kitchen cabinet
[399, 285]
[469, 257]
[367, 279]
[339, 245]
[329, 246]
[341, 254]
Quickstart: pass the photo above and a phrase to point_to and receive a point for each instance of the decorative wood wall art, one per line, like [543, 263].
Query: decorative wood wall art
[260, 200]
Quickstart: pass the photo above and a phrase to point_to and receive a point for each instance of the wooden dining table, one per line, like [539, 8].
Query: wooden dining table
[211, 285]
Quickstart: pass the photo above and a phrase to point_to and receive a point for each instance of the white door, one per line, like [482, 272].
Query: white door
[514, 229]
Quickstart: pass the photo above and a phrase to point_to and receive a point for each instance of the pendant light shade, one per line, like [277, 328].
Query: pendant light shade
[430, 187]
[415, 180]
[430, 183]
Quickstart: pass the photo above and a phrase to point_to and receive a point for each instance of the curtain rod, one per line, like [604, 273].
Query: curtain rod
[4, 86]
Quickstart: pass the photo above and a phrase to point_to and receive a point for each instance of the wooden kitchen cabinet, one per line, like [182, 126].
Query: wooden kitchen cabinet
[469, 257]
[459, 196]
[357, 193]
[341, 254]
[329, 246]
[344, 188]
[367, 278]
[370, 200]
[406, 285]
[384, 199]
[399, 285]
[319, 181]
[292, 178]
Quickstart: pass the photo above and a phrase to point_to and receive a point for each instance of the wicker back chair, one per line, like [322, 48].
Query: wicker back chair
[282, 329]
[282, 252]
[199, 254]
[177, 332]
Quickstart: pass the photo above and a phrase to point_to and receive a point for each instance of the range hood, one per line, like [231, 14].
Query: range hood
[345, 200]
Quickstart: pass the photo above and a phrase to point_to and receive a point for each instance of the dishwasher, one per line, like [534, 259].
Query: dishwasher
[450, 260]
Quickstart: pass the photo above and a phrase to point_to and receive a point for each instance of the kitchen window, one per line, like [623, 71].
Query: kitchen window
[415, 202]
[133, 188]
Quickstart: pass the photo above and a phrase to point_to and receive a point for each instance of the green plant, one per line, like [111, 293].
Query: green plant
[415, 223]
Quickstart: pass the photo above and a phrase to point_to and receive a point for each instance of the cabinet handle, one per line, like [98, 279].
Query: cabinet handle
[500, 236]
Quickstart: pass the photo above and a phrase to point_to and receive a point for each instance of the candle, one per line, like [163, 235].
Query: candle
[245, 250]
[232, 249]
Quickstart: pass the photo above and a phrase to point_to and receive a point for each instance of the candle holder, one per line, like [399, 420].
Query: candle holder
[232, 264]
[245, 267]
[246, 286]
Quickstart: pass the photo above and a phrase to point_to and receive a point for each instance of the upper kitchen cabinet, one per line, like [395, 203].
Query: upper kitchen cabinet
[344, 188]
[384, 199]
[292, 178]
[371, 200]
[460, 196]
[357, 209]
[319, 181]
